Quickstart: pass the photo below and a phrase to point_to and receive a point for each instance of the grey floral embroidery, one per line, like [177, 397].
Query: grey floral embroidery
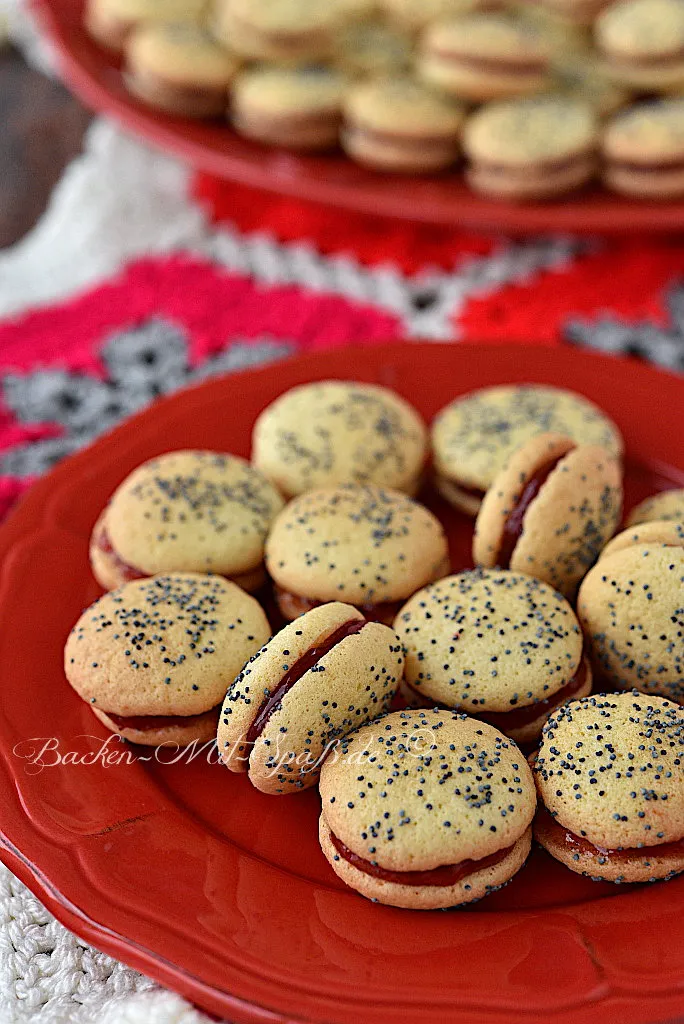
[141, 364]
[661, 345]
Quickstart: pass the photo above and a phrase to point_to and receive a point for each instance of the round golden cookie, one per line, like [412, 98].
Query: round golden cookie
[668, 505]
[642, 43]
[531, 148]
[643, 149]
[336, 432]
[397, 124]
[109, 22]
[426, 792]
[365, 545]
[557, 531]
[656, 532]
[297, 108]
[474, 436]
[498, 645]
[322, 676]
[178, 67]
[484, 56]
[631, 606]
[610, 774]
[280, 31]
[154, 657]
[186, 511]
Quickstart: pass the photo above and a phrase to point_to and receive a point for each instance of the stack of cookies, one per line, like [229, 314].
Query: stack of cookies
[534, 98]
[302, 611]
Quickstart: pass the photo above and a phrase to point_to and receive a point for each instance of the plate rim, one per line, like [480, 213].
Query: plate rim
[29, 515]
[617, 215]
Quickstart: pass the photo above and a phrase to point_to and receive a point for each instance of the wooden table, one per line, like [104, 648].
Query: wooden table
[42, 130]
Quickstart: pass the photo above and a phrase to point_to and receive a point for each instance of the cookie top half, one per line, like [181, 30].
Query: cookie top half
[489, 640]
[192, 511]
[668, 505]
[631, 606]
[639, 30]
[475, 435]
[419, 789]
[647, 133]
[167, 645]
[334, 432]
[363, 545]
[611, 768]
[658, 532]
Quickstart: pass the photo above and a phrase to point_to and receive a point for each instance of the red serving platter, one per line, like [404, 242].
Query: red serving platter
[95, 77]
[186, 872]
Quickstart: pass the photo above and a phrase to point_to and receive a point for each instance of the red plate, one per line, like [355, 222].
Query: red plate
[190, 875]
[213, 147]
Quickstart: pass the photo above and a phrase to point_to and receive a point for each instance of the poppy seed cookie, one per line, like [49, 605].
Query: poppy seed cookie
[610, 774]
[320, 677]
[668, 505]
[631, 606]
[665, 532]
[152, 658]
[498, 645]
[474, 436]
[186, 511]
[426, 809]
[369, 546]
[336, 432]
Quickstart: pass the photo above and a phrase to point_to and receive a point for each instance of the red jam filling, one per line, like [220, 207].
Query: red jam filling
[127, 572]
[295, 605]
[516, 718]
[514, 522]
[297, 670]
[448, 875]
[146, 723]
[581, 845]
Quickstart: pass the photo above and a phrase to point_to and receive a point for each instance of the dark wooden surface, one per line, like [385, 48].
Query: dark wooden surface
[41, 129]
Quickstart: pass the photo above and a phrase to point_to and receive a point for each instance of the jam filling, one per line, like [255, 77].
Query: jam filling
[513, 526]
[297, 670]
[127, 572]
[294, 605]
[494, 64]
[449, 874]
[516, 718]
[146, 723]
[578, 844]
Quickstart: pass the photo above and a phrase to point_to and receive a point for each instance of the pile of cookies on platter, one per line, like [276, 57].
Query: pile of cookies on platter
[537, 98]
[404, 686]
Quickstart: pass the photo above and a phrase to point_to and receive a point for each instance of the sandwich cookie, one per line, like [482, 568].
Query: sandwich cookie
[396, 124]
[280, 31]
[665, 532]
[109, 22]
[335, 432]
[320, 677]
[370, 547]
[643, 150]
[642, 44]
[532, 148]
[550, 511]
[474, 436]
[296, 108]
[668, 505]
[179, 68]
[426, 810]
[484, 56]
[187, 511]
[573, 14]
[631, 606]
[609, 773]
[499, 645]
[152, 659]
